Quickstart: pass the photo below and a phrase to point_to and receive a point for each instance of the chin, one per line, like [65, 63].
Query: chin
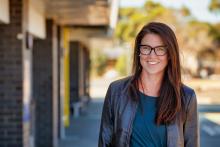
[153, 72]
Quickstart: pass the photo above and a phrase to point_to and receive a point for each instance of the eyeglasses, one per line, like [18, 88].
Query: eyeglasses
[158, 50]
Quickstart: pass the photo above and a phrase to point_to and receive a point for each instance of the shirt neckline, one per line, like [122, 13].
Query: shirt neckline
[149, 96]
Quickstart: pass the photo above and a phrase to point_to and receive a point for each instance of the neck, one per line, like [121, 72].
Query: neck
[151, 84]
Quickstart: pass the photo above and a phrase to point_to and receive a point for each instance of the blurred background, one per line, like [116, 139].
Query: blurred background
[58, 57]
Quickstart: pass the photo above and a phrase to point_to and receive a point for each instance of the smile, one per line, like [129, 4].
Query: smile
[152, 62]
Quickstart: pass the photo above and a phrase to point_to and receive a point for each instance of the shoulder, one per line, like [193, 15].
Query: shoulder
[187, 90]
[120, 84]
[115, 89]
[189, 96]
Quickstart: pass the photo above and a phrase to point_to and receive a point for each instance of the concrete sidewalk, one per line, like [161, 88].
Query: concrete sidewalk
[84, 130]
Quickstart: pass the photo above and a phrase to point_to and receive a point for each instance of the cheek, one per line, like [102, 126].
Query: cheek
[142, 61]
[164, 62]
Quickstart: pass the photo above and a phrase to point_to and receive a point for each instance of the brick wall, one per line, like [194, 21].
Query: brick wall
[42, 88]
[11, 78]
[79, 71]
[74, 71]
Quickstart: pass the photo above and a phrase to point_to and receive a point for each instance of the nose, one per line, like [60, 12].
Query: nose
[152, 53]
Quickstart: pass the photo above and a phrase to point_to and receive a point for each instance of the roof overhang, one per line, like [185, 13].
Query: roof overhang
[4, 11]
[93, 14]
[79, 12]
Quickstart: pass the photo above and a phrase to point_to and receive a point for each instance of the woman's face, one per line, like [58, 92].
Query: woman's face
[153, 64]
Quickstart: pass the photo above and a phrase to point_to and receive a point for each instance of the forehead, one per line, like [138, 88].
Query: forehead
[152, 40]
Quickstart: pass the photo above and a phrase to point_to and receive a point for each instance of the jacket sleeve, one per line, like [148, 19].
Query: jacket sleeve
[191, 126]
[106, 127]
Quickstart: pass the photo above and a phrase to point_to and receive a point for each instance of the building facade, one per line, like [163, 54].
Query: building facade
[44, 65]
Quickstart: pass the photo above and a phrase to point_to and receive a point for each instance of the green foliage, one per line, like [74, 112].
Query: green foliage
[194, 27]
[215, 6]
[133, 19]
[130, 21]
[101, 64]
[185, 11]
[121, 65]
[126, 12]
[151, 6]
[215, 32]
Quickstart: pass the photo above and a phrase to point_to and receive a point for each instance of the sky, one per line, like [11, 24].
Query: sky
[198, 8]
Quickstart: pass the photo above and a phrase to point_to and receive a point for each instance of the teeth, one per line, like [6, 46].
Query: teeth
[152, 62]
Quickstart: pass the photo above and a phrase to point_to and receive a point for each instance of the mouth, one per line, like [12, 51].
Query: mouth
[153, 62]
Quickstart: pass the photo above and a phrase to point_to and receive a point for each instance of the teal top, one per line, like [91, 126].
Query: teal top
[145, 132]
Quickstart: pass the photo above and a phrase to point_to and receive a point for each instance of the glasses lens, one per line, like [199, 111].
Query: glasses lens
[160, 50]
[145, 50]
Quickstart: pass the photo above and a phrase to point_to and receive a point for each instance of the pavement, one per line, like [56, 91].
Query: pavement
[84, 130]
[210, 128]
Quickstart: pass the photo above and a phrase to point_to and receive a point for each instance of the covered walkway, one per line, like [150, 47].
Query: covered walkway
[83, 131]
[45, 48]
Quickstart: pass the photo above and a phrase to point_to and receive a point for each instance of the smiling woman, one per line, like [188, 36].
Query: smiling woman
[152, 107]
[153, 63]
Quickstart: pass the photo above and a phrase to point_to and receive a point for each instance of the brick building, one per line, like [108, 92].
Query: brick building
[44, 65]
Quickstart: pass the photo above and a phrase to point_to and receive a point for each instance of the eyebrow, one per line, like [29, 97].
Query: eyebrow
[151, 46]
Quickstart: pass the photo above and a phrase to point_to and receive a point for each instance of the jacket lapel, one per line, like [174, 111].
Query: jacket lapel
[172, 135]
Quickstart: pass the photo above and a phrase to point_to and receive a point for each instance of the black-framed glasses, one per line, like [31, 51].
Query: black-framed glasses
[158, 50]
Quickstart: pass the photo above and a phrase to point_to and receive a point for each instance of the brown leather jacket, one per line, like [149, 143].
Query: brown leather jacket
[119, 112]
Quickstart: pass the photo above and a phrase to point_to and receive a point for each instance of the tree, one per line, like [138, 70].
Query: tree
[214, 31]
[215, 6]
[131, 20]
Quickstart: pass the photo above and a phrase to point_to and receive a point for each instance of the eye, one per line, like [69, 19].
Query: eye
[146, 47]
[161, 48]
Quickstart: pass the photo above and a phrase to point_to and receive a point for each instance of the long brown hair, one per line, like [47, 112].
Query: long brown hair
[169, 101]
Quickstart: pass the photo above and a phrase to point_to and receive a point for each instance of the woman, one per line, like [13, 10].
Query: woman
[151, 108]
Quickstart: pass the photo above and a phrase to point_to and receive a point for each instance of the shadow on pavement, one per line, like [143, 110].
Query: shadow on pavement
[84, 130]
